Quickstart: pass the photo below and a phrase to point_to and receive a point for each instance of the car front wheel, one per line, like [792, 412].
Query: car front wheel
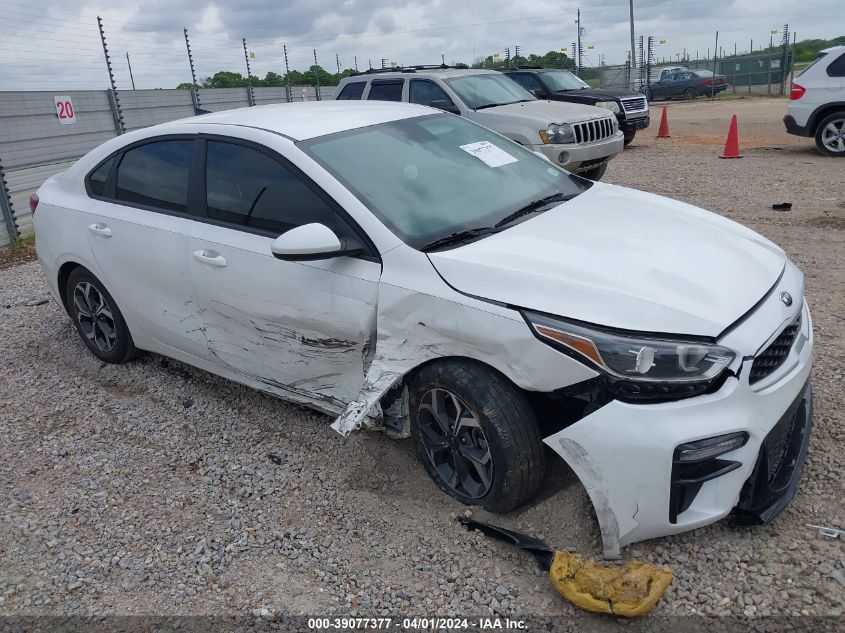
[690, 93]
[629, 136]
[97, 318]
[830, 135]
[476, 434]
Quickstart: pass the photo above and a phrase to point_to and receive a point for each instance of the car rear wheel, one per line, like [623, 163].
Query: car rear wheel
[690, 93]
[97, 318]
[476, 434]
[830, 135]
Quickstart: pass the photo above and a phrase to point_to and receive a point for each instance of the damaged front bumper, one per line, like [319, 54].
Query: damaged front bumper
[626, 454]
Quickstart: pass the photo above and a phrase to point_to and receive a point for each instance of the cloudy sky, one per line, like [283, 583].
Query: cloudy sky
[52, 44]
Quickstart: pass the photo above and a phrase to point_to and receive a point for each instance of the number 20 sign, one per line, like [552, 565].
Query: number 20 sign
[64, 110]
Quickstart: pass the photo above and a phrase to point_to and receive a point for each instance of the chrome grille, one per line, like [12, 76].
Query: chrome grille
[634, 105]
[592, 131]
[775, 354]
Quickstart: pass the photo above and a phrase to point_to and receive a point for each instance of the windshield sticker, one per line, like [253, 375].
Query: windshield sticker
[489, 153]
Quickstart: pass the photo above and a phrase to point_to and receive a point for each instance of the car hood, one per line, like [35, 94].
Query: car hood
[544, 112]
[599, 93]
[622, 258]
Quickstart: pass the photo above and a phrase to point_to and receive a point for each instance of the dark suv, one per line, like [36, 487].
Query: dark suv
[630, 108]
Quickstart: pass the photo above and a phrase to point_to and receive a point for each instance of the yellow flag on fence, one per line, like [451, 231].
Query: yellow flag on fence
[252, 54]
[661, 41]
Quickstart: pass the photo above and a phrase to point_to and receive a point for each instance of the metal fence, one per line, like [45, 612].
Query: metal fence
[35, 146]
[752, 74]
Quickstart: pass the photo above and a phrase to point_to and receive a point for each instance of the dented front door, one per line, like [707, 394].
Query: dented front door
[302, 329]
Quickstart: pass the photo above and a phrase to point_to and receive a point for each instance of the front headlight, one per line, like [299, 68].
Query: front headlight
[609, 105]
[555, 133]
[634, 359]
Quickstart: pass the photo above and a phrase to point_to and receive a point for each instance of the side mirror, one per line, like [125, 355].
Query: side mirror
[310, 242]
[446, 105]
[539, 93]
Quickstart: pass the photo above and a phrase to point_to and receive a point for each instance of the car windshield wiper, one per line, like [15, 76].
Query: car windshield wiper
[460, 236]
[534, 206]
[489, 105]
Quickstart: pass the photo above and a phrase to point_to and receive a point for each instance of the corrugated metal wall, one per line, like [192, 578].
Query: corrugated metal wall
[34, 146]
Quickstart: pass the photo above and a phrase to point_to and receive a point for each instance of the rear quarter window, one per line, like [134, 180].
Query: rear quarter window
[352, 91]
[98, 178]
[837, 67]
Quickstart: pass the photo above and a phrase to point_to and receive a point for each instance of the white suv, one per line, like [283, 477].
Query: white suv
[579, 138]
[817, 102]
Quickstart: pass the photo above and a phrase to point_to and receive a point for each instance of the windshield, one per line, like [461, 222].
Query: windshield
[485, 90]
[563, 80]
[428, 177]
[811, 64]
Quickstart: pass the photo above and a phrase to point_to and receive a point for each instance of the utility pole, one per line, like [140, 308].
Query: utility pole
[355, 57]
[337, 59]
[128, 63]
[633, 57]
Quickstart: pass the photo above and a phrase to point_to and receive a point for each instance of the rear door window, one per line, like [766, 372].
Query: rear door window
[156, 175]
[386, 90]
[352, 91]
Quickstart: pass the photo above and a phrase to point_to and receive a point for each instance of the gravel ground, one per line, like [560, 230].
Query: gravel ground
[156, 488]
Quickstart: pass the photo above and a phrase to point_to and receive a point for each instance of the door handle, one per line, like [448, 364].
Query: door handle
[210, 257]
[100, 229]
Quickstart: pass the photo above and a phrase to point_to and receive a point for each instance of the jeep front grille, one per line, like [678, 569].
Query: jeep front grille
[592, 131]
[767, 362]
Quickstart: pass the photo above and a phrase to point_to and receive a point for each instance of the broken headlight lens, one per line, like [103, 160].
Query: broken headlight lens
[635, 358]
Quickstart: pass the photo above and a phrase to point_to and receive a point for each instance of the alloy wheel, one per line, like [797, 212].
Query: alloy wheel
[94, 316]
[833, 135]
[455, 443]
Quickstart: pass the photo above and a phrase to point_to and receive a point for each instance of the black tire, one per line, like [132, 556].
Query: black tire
[594, 174]
[826, 139]
[97, 318]
[629, 136]
[507, 425]
[690, 93]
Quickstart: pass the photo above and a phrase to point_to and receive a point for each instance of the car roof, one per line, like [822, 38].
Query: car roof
[443, 73]
[833, 49]
[309, 119]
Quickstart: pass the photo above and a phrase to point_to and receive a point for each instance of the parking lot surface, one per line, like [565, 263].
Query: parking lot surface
[157, 488]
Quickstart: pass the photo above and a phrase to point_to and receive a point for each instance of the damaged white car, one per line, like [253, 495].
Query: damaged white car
[403, 268]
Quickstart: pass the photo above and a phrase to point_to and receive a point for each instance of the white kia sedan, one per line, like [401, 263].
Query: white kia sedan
[405, 269]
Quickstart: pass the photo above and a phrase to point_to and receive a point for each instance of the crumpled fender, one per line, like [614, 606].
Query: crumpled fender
[414, 327]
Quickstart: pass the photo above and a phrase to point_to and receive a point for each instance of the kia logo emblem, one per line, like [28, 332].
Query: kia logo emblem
[786, 298]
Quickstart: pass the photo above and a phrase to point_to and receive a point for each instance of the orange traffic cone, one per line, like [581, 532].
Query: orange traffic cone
[663, 132]
[732, 144]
